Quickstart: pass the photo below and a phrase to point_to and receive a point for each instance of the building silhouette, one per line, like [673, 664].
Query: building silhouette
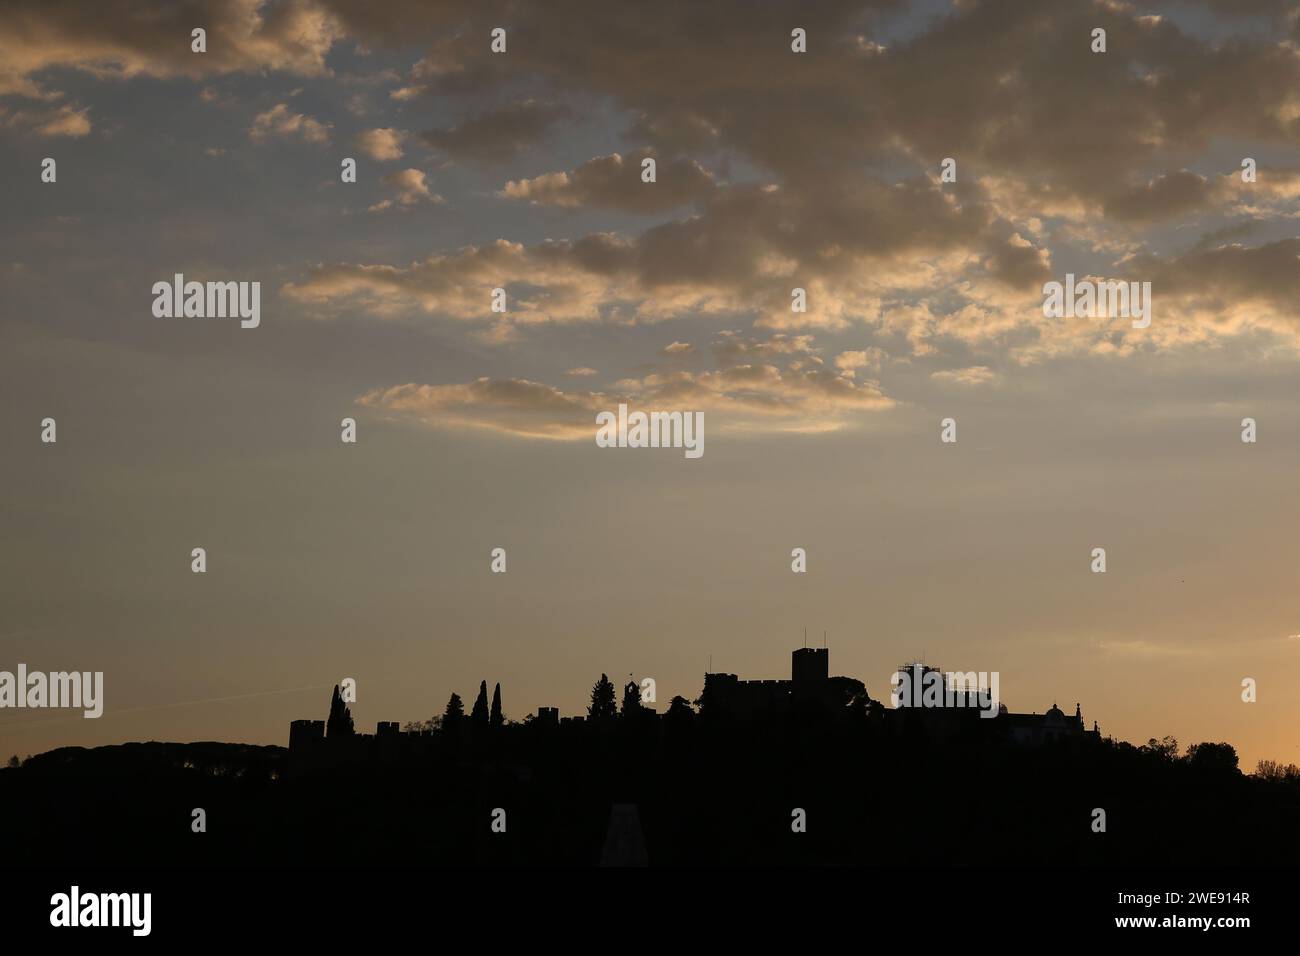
[810, 685]
[1037, 729]
[959, 709]
[954, 712]
[303, 733]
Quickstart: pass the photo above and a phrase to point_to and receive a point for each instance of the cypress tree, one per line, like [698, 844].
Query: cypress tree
[479, 715]
[339, 723]
[455, 712]
[496, 719]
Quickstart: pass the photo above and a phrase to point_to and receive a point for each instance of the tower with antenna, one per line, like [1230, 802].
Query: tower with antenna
[810, 663]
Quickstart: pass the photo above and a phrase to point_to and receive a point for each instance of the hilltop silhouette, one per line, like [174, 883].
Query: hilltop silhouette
[713, 781]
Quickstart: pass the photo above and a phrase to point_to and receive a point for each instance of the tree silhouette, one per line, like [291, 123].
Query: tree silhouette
[1165, 749]
[859, 701]
[1210, 756]
[479, 715]
[680, 717]
[603, 706]
[422, 726]
[454, 714]
[631, 699]
[496, 719]
[339, 723]
[1274, 771]
[679, 706]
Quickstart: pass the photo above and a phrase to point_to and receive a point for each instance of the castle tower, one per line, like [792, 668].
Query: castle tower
[303, 733]
[810, 664]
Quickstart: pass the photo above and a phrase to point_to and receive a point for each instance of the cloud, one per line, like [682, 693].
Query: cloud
[119, 39]
[1274, 194]
[849, 362]
[1161, 93]
[511, 406]
[62, 120]
[778, 171]
[581, 371]
[411, 189]
[1160, 96]
[973, 375]
[1019, 263]
[741, 253]
[734, 349]
[1167, 195]
[677, 348]
[381, 145]
[615, 183]
[554, 281]
[746, 398]
[494, 135]
[1228, 288]
[283, 122]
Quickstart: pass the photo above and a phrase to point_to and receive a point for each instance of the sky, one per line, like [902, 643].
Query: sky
[774, 170]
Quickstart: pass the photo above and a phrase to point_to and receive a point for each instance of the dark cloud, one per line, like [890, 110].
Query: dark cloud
[123, 38]
[1169, 194]
[497, 135]
[1006, 87]
[1229, 276]
[1020, 264]
[746, 249]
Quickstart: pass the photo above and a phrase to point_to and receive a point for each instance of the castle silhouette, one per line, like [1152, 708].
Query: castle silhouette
[726, 699]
